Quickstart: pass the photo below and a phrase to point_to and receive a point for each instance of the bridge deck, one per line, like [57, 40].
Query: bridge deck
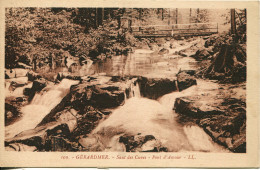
[194, 29]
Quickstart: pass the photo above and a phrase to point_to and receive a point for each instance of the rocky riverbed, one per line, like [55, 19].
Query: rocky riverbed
[148, 101]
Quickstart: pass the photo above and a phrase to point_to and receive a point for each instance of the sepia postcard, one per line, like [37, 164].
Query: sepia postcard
[152, 83]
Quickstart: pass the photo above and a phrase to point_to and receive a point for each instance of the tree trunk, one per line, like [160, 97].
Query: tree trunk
[233, 21]
[245, 15]
[100, 16]
[169, 20]
[230, 58]
[190, 15]
[162, 15]
[198, 13]
[118, 22]
[129, 25]
[140, 14]
[96, 17]
[176, 15]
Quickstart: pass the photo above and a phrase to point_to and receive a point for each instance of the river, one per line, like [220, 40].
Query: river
[138, 115]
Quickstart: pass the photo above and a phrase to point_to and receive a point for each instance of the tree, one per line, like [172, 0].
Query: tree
[233, 21]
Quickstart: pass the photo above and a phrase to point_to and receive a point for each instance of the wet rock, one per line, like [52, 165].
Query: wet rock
[87, 122]
[225, 132]
[163, 51]
[20, 147]
[50, 137]
[17, 82]
[9, 73]
[81, 119]
[153, 46]
[11, 113]
[185, 80]
[189, 72]
[154, 88]
[210, 51]
[210, 41]
[201, 54]
[222, 117]
[91, 143]
[95, 96]
[37, 86]
[19, 72]
[80, 122]
[62, 75]
[12, 108]
[139, 143]
[194, 106]
[33, 76]
[206, 37]
[57, 139]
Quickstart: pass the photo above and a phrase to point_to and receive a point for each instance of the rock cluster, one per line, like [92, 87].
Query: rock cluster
[185, 79]
[140, 143]
[222, 117]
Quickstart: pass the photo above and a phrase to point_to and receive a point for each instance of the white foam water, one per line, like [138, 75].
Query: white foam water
[39, 107]
[151, 117]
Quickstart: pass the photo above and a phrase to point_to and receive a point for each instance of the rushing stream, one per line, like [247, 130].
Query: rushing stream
[39, 107]
[138, 115]
[150, 117]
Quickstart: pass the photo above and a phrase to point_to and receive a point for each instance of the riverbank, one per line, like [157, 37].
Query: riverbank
[106, 111]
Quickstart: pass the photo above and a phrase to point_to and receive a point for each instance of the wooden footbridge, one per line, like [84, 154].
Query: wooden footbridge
[174, 30]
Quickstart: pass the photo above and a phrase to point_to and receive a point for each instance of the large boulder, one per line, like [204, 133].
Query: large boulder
[12, 108]
[9, 73]
[196, 106]
[17, 82]
[140, 143]
[154, 88]
[50, 137]
[11, 113]
[185, 80]
[37, 86]
[20, 72]
[99, 96]
[100, 93]
[229, 131]
[33, 76]
[222, 117]
[62, 75]
[87, 122]
[163, 51]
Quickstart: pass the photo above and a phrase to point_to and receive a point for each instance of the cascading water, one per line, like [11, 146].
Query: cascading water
[150, 117]
[134, 90]
[40, 106]
[138, 115]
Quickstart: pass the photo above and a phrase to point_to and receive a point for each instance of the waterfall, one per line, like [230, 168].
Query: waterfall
[144, 116]
[177, 85]
[134, 90]
[40, 106]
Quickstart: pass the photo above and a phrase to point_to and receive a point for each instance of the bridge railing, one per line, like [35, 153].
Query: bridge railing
[175, 29]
